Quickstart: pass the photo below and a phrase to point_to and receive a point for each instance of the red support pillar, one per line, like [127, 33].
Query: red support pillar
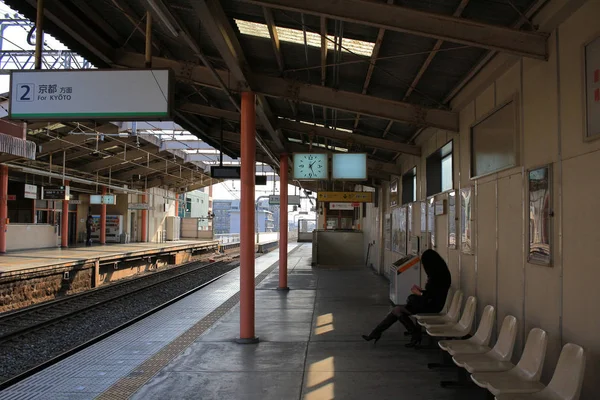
[283, 222]
[64, 224]
[103, 219]
[3, 206]
[144, 220]
[248, 156]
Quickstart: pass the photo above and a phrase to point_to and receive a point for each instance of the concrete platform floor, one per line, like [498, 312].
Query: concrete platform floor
[310, 347]
[14, 262]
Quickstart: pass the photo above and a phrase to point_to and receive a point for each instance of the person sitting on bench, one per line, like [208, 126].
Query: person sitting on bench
[430, 300]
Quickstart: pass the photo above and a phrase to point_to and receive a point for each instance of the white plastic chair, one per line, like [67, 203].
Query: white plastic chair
[442, 312]
[525, 376]
[479, 343]
[460, 329]
[497, 359]
[566, 382]
[450, 317]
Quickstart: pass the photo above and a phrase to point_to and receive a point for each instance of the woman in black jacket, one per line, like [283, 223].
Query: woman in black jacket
[430, 300]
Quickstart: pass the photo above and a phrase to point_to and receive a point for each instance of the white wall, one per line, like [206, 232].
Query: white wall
[562, 298]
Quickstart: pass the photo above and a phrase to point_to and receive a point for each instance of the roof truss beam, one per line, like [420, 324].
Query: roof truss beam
[184, 145]
[307, 93]
[409, 20]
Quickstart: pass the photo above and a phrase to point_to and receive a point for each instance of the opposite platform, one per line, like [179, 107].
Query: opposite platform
[34, 260]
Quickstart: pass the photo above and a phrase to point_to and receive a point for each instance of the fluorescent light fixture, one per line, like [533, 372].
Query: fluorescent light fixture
[164, 15]
[297, 36]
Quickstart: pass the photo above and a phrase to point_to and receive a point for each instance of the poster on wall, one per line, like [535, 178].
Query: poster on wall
[592, 87]
[394, 193]
[452, 220]
[402, 233]
[540, 224]
[423, 216]
[387, 233]
[466, 220]
[409, 228]
[396, 230]
[431, 221]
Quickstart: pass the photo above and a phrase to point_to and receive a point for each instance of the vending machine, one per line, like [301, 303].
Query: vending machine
[114, 228]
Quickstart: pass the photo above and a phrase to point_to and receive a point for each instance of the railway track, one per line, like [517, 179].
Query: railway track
[22, 331]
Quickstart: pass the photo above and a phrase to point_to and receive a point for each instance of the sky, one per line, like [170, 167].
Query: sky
[15, 37]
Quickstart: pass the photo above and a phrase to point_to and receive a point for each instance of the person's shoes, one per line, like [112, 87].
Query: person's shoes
[413, 343]
[373, 336]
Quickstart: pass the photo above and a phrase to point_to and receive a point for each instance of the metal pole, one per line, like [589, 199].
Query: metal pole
[103, 219]
[3, 206]
[64, 240]
[39, 34]
[248, 153]
[148, 40]
[144, 219]
[283, 222]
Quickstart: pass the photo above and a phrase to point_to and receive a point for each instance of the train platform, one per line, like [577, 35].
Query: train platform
[310, 346]
[18, 262]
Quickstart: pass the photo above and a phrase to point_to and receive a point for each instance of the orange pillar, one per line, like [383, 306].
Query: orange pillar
[248, 156]
[64, 235]
[3, 206]
[103, 219]
[283, 222]
[144, 220]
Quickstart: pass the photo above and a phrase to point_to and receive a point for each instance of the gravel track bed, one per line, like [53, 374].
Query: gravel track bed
[38, 347]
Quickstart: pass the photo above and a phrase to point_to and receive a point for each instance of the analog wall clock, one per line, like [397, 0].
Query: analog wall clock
[310, 166]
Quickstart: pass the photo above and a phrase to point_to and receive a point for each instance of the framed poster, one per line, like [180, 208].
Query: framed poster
[409, 228]
[431, 221]
[396, 230]
[452, 219]
[394, 193]
[592, 88]
[466, 220]
[540, 211]
[402, 233]
[423, 206]
[387, 233]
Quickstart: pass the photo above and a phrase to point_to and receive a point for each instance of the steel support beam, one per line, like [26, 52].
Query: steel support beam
[410, 20]
[216, 23]
[184, 145]
[211, 112]
[127, 156]
[377, 143]
[307, 93]
[274, 38]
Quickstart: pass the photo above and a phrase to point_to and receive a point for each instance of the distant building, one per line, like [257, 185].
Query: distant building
[227, 217]
[195, 205]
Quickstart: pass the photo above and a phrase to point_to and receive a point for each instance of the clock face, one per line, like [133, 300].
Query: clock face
[310, 166]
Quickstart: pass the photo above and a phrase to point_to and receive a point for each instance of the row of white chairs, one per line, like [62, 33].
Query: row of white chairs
[491, 368]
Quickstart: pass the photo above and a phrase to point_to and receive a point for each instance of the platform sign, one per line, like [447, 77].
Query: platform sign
[292, 200]
[109, 199]
[343, 206]
[30, 192]
[91, 94]
[55, 193]
[139, 206]
[346, 197]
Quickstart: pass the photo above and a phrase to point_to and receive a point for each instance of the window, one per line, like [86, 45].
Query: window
[409, 186]
[494, 141]
[440, 170]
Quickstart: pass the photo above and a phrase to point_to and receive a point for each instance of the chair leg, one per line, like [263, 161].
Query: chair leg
[445, 363]
[463, 380]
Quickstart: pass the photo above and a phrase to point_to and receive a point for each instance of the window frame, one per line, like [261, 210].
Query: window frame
[412, 175]
[517, 136]
[439, 153]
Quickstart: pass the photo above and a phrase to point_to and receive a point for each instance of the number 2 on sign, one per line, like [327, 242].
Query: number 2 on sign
[25, 92]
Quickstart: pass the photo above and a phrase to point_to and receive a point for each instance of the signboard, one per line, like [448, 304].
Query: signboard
[351, 166]
[139, 206]
[30, 192]
[91, 94]
[292, 200]
[346, 197]
[56, 193]
[343, 206]
[103, 199]
[74, 201]
[11, 197]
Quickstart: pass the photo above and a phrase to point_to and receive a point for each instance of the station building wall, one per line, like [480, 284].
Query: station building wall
[561, 298]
